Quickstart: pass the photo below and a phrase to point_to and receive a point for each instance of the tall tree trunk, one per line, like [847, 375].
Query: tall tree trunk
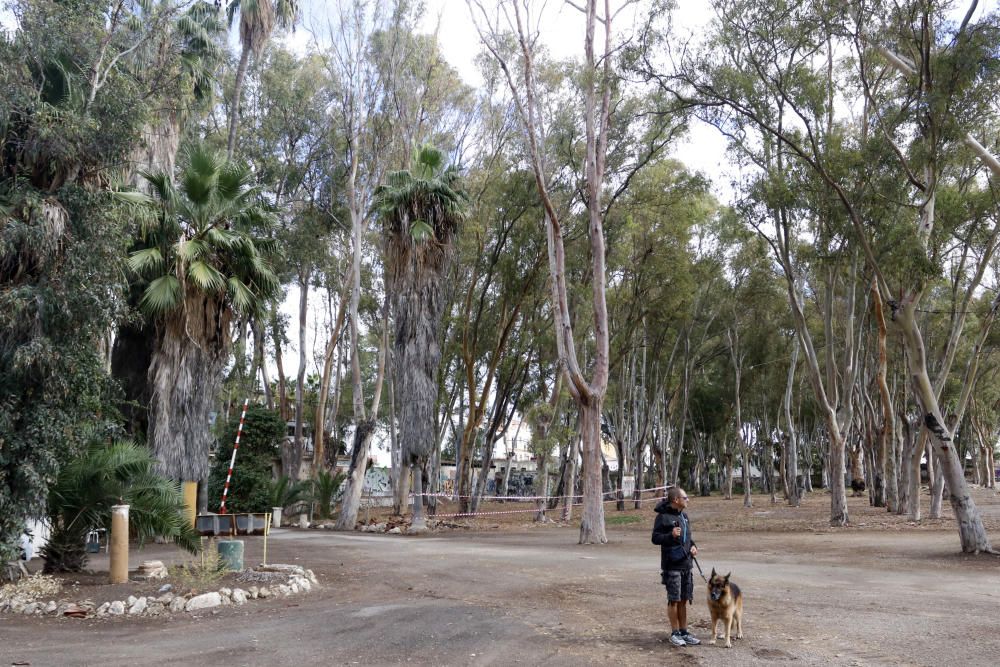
[682, 429]
[355, 481]
[417, 310]
[972, 532]
[592, 515]
[319, 427]
[278, 336]
[234, 110]
[569, 477]
[885, 468]
[185, 375]
[298, 446]
[260, 353]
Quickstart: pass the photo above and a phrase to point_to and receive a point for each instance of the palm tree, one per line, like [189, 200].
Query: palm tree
[258, 19]
[204, 265]
[421, 210]
[103, 476]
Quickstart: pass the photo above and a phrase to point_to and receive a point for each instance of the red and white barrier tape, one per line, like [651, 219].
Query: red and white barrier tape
[232, 461]
[535, 509]
[449, 496]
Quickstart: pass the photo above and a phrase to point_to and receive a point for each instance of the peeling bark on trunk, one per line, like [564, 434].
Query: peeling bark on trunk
[972, 532]
[298, 446]
[790, 456]
[351, 502]
[569, 476]
[592, 516]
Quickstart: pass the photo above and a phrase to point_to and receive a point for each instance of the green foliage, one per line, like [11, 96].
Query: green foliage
[120, 473]
[68, 124]
[204, 232]
[424, 202]
[324, 487]
[285, 493]
[249, 489]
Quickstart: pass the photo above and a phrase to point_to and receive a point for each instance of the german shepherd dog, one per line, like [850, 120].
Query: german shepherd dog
[725, 604]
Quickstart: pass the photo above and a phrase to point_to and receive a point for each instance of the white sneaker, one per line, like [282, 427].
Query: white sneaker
[677, 640]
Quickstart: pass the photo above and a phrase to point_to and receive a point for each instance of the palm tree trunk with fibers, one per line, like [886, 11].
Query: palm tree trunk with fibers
[185, 375]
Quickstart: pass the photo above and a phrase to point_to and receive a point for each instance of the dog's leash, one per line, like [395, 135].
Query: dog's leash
[699, 569]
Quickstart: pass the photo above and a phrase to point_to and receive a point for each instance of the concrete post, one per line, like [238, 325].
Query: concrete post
[190, 490]
[119, 544]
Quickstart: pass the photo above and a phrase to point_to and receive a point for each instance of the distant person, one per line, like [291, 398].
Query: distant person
[672, 531]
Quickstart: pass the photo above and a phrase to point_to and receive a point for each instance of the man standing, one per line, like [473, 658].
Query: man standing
[672, 531]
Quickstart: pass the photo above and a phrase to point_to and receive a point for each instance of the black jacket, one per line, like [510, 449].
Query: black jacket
[675, 552]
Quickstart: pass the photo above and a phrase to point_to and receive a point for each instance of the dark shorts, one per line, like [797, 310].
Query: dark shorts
[680, 585]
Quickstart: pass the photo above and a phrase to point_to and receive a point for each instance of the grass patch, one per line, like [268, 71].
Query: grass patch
[622, 520]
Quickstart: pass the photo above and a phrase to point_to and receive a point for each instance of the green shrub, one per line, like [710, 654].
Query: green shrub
[250, 487]
[120, 473]
[324, 487]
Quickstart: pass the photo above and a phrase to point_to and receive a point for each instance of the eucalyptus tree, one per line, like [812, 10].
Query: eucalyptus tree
[367, 143]
[600, 111]
[258, 20]
[68, 72]
[503, 289]
[204, 262]
[393, 91]
[421, 210]
[291, 146]
[938, 99]
[651, 279]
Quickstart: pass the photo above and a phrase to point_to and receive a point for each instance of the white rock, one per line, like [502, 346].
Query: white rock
[131, 600]
[311, 576]
[178, 604]
[254, 590]
[264, 592]
[396, 531]
[284, 590]
[165, 588]
[29, 608]
[166, 598]
[137, 607]
[239, 596]
[225, 592]
[103, 609]
[51, 607]
[203, 601]
[117, 608]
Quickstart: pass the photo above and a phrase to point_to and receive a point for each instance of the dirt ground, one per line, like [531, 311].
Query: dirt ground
[505, 591]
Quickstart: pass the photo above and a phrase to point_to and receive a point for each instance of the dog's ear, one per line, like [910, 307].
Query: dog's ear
[713, 574]
[727, 577]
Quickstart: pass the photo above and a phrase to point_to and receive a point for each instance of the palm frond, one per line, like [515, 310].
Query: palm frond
[134, 198]
[206, 277]
[235, 180]
[103, 476]
[145, 261]
[200, 177]
[191, 250]
[421, 231]
[242, 297]
[162, 295]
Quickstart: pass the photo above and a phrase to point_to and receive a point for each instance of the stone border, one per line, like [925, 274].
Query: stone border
[279, 580]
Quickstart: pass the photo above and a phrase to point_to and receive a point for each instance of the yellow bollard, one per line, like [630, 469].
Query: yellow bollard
[190, 490]
[119, 544]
